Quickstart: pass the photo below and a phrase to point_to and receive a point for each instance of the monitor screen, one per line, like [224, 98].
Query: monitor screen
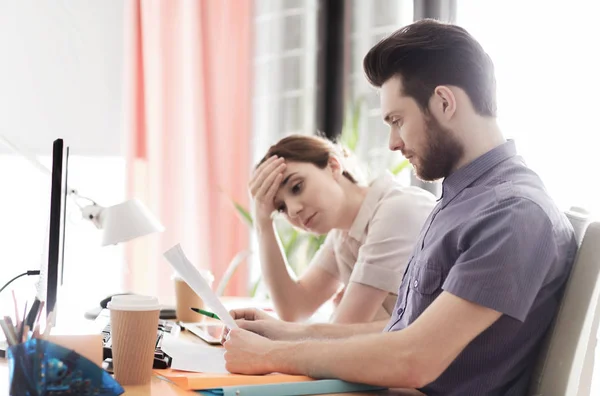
[52, 273]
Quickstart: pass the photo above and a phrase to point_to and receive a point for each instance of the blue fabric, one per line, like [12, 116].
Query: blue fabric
[41, 368]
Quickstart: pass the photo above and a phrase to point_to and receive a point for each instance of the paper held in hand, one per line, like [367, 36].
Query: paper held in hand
[194, 279]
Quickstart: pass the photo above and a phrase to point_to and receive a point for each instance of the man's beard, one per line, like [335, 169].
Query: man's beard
[442, 152]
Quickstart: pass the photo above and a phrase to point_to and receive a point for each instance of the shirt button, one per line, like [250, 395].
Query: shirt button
[400, 311]
[416, 283]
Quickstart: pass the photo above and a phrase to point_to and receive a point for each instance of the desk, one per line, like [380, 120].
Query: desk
[158, 387]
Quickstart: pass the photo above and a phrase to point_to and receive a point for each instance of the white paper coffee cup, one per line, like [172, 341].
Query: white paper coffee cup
[133, 303]
[134, 322]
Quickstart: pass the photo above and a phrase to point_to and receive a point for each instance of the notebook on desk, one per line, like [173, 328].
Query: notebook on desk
[258, 385]
[316, 387]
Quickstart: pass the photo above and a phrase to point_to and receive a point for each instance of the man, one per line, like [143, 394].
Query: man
[487, 273]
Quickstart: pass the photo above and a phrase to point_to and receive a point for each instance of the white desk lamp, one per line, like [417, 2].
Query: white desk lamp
[119, 223]
[122, 222]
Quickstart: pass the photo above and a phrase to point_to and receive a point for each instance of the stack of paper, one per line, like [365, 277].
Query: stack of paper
[195, 357]
[199, 381]
[260, 385]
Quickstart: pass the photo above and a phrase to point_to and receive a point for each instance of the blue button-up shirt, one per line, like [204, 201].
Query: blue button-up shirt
[497, 239]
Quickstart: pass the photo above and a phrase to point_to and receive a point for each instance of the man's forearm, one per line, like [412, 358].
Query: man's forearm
[329, 331]
[371, 359]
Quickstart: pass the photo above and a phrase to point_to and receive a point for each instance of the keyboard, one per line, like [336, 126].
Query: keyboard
[161, 359]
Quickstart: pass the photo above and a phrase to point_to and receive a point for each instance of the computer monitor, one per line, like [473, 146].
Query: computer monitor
[51, 275]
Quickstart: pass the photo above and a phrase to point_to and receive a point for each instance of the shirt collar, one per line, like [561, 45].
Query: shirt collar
[465, 176]
[376, 191]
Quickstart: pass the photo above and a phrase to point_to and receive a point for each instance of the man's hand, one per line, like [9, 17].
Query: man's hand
[263, 324]
[250, 314]
[248, 353]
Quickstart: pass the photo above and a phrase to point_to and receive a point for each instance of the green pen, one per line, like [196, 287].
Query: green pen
[205, 313]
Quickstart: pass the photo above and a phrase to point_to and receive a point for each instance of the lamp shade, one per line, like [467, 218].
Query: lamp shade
[126, 221]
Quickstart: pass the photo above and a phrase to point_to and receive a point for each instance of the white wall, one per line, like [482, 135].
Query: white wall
[61, 74]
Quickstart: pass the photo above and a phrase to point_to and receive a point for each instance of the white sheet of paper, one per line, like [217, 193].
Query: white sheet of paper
[195, 357]
[194, 279]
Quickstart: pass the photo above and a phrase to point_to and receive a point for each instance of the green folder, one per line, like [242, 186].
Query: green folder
[317, 387]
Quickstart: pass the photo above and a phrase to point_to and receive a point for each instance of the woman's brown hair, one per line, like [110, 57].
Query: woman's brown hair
[311, 149]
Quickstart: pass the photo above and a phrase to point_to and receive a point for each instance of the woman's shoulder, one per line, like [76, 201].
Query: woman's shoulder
[400, 200]
[393, 189]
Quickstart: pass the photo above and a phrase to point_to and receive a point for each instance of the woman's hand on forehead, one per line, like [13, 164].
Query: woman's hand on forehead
[264, 185]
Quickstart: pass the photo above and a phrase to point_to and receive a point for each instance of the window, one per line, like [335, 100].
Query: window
[285, 70]
[284, 78]
[370, 22]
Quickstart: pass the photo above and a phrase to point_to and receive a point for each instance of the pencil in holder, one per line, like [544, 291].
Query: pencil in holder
[41, 368]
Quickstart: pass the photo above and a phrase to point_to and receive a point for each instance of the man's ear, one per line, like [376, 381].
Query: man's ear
[443, 103]
[335, 165]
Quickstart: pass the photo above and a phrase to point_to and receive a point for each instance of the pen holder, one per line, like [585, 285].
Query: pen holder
[41, 368]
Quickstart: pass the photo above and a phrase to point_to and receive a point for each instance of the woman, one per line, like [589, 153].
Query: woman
[371, 231]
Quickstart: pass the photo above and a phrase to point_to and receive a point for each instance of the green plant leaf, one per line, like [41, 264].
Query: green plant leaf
[356, 113]
[255, 288]
[292, 243]
[240, 210]
[290, 248]
[322, 239]
[244, 214]
[400, 167]
[351, 130]
[314, 243]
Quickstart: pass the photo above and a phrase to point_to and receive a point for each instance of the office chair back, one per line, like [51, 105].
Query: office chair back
[566, 361]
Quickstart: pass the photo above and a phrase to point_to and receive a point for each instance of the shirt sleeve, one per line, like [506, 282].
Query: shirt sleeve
[390, 239]
[505, 256]
[325, 257]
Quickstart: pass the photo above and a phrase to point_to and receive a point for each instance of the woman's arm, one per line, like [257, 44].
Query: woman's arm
[360, 303]
[294, 300]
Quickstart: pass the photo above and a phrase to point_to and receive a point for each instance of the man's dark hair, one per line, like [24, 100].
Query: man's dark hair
[429, 53]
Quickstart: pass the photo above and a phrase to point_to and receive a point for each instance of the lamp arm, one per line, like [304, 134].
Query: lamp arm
[78, 198]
